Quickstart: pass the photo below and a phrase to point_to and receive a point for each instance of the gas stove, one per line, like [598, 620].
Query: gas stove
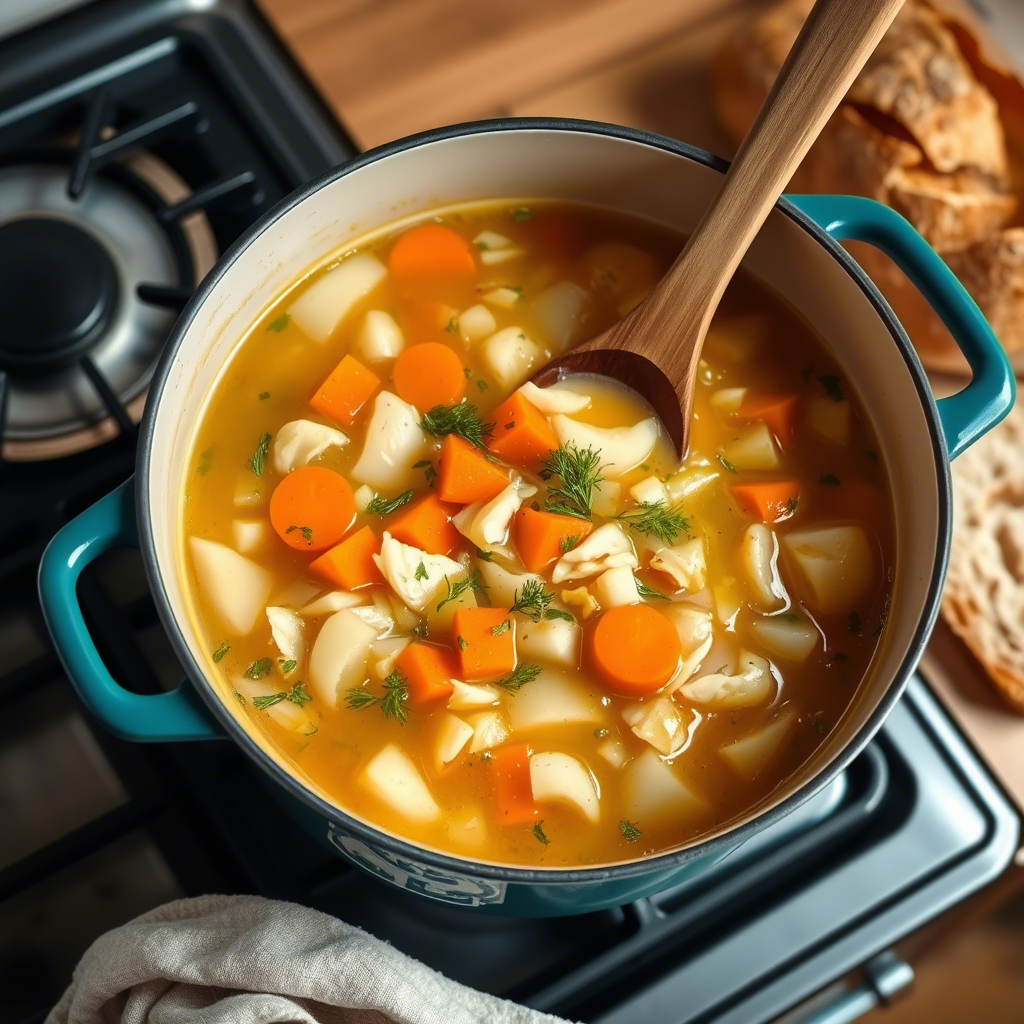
[138, 140]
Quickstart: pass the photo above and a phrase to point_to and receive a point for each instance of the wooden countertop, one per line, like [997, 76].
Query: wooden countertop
[392, 67]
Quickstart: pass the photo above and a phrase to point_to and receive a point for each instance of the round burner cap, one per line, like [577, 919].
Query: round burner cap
[58, 291]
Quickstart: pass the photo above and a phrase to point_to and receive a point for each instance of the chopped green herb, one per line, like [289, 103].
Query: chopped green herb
[452, 326]
[205, 459]
[288, 666]
[421, 629]
[830, 383]
[645, 591]
[264, 395]
[357, 698]
[533, 601]
[468, 372]
[602, 733]
[218, 655]
[463, 642]
[378, 506]
[521, 213]
[484, 556]
[538, 833]
[568, 543]
[482, 246]
[421, 572]
[830, 479]
[238, 697]
[519, 677]
[393, 704]
[806, 372]
[312, 730]
[502, 627]
[854, 624]
[726, 463]
[558, 613]
[259, 669]
[645, 466]
[521, 335]
[463, 420]
[472, 582]
[429, 473]
[279, 323]
[482, 385]
[297, 695]
[819, 726]
[657, 518]
[629, 831]
[579, 473]
[259, 457]
[306, 531]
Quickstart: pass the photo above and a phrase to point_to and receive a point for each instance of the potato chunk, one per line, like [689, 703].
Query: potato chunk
[236, 587]
[326, 302]
[759, 552]
[560, 778]
[393, 443]
[653, 791]
[833, 563]
[747, 756]
[339, 656]
[393, 779]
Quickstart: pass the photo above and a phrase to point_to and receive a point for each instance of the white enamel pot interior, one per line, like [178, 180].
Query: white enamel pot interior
[628, 171]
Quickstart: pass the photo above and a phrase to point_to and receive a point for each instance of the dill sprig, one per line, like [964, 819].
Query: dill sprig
[558, 613]
[533, 601]
[473, 582]
[578, 473]
[378, 506]
[463, 420]
[394, 703]
[655, 517]
[297, 695]
[519, 676]
[645, 591]
[259, 457]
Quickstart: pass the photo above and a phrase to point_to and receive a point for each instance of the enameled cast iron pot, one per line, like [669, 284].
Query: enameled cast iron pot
[647, 176]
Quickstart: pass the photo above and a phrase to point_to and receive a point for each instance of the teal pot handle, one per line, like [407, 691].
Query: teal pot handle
[987, 399]
[110, 523]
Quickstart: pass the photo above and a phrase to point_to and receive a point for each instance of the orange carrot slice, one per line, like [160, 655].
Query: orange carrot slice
[634, 649]
[777, 411]
[345, 392]
[312, 508]
[350, 564]
[512, 786]
[429, 671]
[771, 501]
[428, 375]
[466, 475]
[431, 252]
[487, 642]
[539, 536]
[427, 525]
[522, 436]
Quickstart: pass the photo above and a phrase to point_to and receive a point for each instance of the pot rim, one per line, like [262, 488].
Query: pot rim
[719, 844]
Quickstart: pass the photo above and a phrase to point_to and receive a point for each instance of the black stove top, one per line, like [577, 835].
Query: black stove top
[184, 125]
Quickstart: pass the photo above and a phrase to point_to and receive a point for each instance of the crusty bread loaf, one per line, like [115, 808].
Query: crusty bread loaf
[931, 127]
[984, 596]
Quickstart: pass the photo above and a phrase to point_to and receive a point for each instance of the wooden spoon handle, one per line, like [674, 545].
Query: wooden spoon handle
[834, 44]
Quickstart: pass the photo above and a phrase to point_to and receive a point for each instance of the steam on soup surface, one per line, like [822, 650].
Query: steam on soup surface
[508, 623]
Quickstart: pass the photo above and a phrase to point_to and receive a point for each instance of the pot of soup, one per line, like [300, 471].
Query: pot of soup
[498, 645]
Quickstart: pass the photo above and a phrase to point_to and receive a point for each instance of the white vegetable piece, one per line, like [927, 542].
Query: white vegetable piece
[558, 778]
[694, 628]
[790, 641]
[489, 730]
[829, 419]
[559, 312]
[384, 653]
[503, 297]
[834, 562]
[652, 791]
[684, 563]
[753, 449]
[503, 585]
[378, 615]
[554, 699]
[751, 684]
[362, 496]
[728, 400]
[487, 240]
[476, 322]
[249, 534]
[490, 257]
[622, 448]
[300, 441]
[467, 826]
[650, 490]
[472, 696]
[688, 482]
[487, 523]
[399, 563]
[237, 587]
[393, 443]
[661, 723]
[295, 594]
[614, 752]
[605, 500]
[339, 655]
[749, 755]
[552, 640]
[554, 399]
[759, 555]
[331, 602]
[608, 547]
[727, 601]
[451, 737]
[511, 356]
[326, 302]
[379, 337]
[288, 631]
[616, 587]
[285, 712]
[393, 779]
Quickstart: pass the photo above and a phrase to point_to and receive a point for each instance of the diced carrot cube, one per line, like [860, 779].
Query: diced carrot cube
[539, 536]
[427, 525]
[486, 640]
[466, 475]
[345, 392]
[512, 785]
[429, 671]
[522, 436]
[771, 501]
[777, 411]
[350, 564]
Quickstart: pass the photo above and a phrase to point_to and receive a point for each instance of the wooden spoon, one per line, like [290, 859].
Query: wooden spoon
[655, 348]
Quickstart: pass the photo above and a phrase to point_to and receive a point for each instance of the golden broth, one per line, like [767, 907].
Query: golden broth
[755, 342]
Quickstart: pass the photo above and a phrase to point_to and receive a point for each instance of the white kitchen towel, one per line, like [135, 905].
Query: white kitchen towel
[249, 960]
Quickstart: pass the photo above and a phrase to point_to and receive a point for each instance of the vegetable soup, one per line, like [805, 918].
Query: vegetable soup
[506, 622]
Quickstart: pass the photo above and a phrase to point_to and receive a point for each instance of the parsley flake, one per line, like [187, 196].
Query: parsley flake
[629, 831]
[463, 642]
[421, 572]
[538, 833]
[259, 669]
[288, 666]
[306, 531]
[218, 655]
[558, 613]
[521, 213]
[205, 460]
[726, 463]
[452, 326]
[264, 395]
[279, 323]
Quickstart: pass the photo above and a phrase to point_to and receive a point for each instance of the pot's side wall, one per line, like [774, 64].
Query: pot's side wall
[623, 173]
